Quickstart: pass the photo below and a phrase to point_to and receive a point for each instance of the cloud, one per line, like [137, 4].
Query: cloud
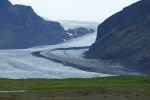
[87, 10]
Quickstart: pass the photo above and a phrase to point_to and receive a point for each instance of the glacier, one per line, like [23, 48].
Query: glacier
[64, 60]
[21, 64]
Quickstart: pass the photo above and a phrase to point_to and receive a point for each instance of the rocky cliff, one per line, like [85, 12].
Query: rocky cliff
[125, 37]
[21, 27]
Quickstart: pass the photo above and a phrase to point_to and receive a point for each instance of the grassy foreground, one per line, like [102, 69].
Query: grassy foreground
[110, 88]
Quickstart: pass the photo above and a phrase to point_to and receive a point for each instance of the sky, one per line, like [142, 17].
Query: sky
[80, 10]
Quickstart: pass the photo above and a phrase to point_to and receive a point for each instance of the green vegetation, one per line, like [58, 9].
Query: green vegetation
[117, 87]
[121, 84]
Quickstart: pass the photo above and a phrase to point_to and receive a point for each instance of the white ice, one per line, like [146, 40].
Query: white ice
[21, 64]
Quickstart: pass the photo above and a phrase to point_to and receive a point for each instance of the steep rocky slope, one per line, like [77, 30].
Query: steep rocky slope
[125, 37]
[21, 27]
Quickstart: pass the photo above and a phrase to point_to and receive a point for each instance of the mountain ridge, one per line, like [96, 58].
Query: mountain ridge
[21, 27]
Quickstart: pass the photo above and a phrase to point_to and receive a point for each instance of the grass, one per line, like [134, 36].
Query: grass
[110, 86]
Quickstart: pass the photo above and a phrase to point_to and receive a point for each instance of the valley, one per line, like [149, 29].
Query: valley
[64, 60]
[41, 59]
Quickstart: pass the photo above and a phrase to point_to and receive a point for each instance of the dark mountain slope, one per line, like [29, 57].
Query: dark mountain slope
[125, 37]
[21, 27]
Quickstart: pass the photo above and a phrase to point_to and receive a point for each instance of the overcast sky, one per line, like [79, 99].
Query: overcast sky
[82, 10]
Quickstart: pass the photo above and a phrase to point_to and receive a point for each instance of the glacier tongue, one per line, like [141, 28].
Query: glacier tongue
[21, 64]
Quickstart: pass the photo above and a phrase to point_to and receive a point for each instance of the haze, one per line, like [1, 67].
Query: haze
[81, 10]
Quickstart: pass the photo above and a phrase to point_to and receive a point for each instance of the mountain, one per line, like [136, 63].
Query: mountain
[125, 38]
[78, 28]
[21, 27]
[80, 31]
